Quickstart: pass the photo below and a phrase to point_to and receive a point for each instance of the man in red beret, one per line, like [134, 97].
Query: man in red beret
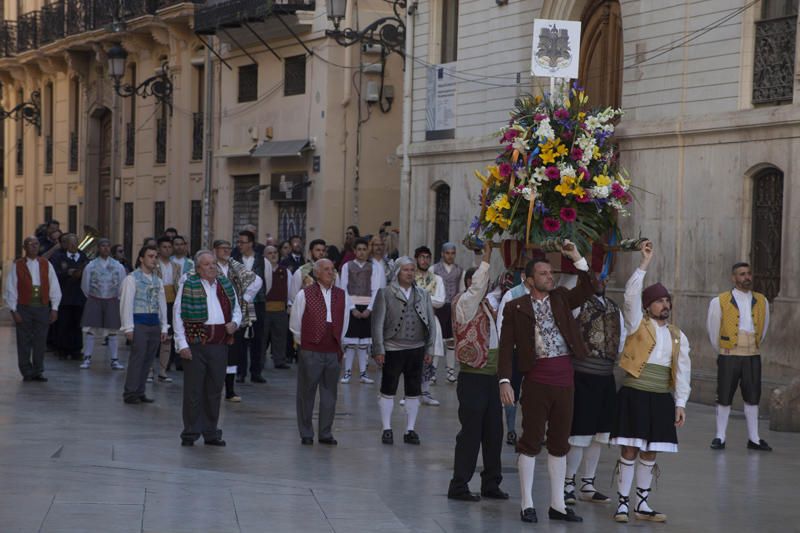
[651, 403]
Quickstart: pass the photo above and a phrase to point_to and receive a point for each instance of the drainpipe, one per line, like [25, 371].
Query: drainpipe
[405, 172]
[208, 118]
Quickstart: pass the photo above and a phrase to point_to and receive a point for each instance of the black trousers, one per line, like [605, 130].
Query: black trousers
[69, 335]
[252, 347]
[31, 339]
[481, 417]
[203, 379]
[738, 371]
[407, 363]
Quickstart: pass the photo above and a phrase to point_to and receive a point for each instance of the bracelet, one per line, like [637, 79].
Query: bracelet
[504, 380]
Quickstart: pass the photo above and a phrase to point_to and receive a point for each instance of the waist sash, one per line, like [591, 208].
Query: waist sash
[654, 378]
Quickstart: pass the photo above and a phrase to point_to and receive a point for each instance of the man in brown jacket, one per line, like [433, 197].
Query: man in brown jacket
[542, 329]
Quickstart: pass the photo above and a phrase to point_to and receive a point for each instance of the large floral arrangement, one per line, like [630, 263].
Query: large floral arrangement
[557, 176]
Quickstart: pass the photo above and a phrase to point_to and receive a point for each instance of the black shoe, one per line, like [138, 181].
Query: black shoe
[215, 442]
[145, 399]
[27, 378]
[569, 516]
[464, 497]
[306, 441]
[132, 401]
[511, 438]
[761, 446]
[411, 437]
[43, 379]
[239, 379]
[258, 379]
[718, 444]
[187, 442]
[330, 441]
[494, 494]
[283, 366]
[528, 515]
[387, 437]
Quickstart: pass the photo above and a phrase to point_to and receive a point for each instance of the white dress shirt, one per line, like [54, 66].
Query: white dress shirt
[662, 353]
[472, 301]
[248, 261]
[299, 307]
[744, 301]
[215, 314]
[10, 291]
[167, 271]
[128, 296]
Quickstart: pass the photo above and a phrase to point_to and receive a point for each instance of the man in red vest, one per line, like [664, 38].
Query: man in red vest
[319, 319]
[32, 293]
[277, 281]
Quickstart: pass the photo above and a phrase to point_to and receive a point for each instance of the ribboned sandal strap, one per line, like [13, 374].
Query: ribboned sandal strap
[586, 481]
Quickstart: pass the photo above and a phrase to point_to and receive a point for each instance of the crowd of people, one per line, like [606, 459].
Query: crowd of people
[523, 342]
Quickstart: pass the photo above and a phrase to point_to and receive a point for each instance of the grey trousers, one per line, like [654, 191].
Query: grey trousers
[276, 327]
[146, 340]
[316, 369]
[32, 339]
[203, 380]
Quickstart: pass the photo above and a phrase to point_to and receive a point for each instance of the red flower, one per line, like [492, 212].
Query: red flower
[617, 191]
[583, 199]
[538, 117]
[583, 173]
[505, 170]
[561, 113]
[576, 153]
[552, 173]
[568, 214]
[510, 135]
[551, 224]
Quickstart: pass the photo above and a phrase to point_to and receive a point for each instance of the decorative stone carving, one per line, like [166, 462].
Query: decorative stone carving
[784, 407]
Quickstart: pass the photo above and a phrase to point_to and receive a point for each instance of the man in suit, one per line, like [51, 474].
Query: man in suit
[295, 259]
[252, 337]
[541, 327]
[68, 264]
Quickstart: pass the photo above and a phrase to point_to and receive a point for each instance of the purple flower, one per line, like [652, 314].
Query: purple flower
[510, 135]
[617, 191]
[576, 153]
[538, 117]
[552, 173]
[561, 114]
[505, 170]
[539, 208]
[551, 224]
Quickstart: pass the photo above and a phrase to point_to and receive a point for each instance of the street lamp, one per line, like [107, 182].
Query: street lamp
[158, 86]
[388, 32]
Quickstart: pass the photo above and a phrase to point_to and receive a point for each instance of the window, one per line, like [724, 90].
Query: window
[442, 221]
[48, 213]
[294, 79]
[159, 222]
[449, 31]
[248, 83]
[773, 61]
[245, 203]
[127, 231]
[765, 248]
[74, 122]
[18, 231]
[72, 219]
[196, 224]
[291, 219]
[48, 128]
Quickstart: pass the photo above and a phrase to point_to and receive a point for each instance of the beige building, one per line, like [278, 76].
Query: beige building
[303, 139]
[711, 138]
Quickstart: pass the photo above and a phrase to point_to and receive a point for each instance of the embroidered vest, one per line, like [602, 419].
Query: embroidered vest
[729, 324]
[25, 288]
[640, 344]
[601, 330]
[314, 324]
[277, 293]
[426, 281]
[148, 288]
[359, 282]
[451, 279]
[472, 338]
[104, 280]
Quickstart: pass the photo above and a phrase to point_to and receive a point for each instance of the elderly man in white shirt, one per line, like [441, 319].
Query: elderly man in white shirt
[206, 315]
[32, 294]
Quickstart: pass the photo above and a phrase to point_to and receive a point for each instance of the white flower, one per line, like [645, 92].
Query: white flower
[520, 145]
[526, 193]
[600, 192]
[566, 170]
[545, 130]
[538, 175]
[592, 123]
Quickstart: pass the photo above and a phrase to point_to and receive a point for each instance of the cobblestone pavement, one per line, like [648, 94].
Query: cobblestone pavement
[74, 458]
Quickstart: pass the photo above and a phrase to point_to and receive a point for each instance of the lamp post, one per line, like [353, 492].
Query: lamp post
[30, 111]
[159, 86]
[388, 32]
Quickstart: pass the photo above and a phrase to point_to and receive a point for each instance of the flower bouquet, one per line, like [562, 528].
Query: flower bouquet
[556, 177]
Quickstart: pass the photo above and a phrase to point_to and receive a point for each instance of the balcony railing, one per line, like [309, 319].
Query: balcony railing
[20, 156]
[197, 136]
[48, 154]
[773, 64]
[73, 151]
[130, 143]
[62, 18]
[235, 12]
[161, 141]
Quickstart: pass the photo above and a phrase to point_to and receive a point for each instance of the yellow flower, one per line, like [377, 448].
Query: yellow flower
[503, 222]
[537, 99]
[578, 191]
[495, 172]
[484, 179]
[563, 188]
[581, 115]
[547, 157]
[502, 202]
[491, 214]
[602, 180]
[561, 150]
[596, 153]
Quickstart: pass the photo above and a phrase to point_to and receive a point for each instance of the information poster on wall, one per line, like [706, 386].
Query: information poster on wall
[556, 48]
[441, 102]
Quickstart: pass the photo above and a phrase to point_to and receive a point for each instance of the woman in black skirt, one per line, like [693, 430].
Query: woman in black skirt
[651, 403]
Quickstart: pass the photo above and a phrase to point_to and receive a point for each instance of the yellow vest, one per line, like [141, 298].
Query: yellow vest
[729, 324]
[640, 344]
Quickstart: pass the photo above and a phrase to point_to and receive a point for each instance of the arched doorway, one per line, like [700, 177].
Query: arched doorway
[601, 53]
[767, 232]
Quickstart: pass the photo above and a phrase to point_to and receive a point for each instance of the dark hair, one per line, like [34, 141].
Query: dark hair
[116, 247]
[422, 250]
[531, 265]
[316, 242]
[181, 237]
[144, 241]
[170, 230]
[161, 240]
[469, 273]
[282, 243]
[740, 264]
[293, 237]
[333, 253]
[52, 221]
[356, 232]
[361, 240]
[249, 234]
[220, 242]
[143, 250]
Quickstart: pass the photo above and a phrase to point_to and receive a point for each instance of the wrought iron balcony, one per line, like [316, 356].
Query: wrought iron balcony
[20, 156]
[52, 20]
[130, 143]
[73, 151]
[234, 13]
[48, 154]
[197, 136]
[28, 32]
[161, 141]
[773, 65]
[8, 38]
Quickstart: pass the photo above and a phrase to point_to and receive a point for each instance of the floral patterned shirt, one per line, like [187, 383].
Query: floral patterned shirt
[548, 339]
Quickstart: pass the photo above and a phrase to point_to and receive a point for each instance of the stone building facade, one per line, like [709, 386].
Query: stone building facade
[710, 136]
